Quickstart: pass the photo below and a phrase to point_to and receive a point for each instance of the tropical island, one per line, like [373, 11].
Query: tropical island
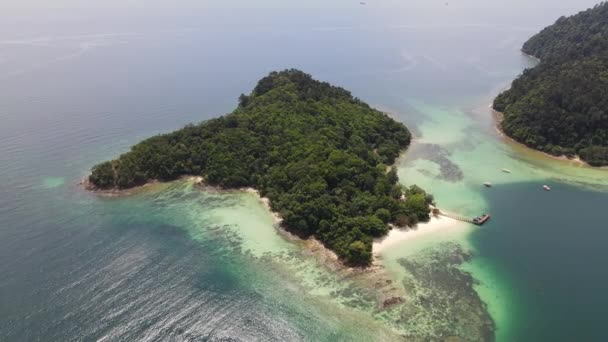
[321, 156]
[561, 105]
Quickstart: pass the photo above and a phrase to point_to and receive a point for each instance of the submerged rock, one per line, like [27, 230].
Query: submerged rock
[391, 301]
[443, 304]
[449, 170]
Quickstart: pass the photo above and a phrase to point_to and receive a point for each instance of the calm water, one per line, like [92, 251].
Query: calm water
[80, 85]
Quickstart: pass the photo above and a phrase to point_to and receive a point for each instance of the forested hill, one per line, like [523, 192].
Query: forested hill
[581, 35]
[319, 154]
[561, 105]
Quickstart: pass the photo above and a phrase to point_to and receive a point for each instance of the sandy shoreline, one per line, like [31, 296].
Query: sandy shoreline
[396, 236]
[276, 218]
[373, 277]
[576, 159]
[499, 117]
[437, 224]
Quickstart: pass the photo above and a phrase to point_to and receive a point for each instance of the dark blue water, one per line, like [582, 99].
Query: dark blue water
[128, 270]
[556, 249]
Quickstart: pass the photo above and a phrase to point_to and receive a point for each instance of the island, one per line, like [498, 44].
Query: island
[560, 106]
[321, 156]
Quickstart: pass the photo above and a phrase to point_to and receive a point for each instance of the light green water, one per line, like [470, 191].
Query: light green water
[52, 182]
[494, 287]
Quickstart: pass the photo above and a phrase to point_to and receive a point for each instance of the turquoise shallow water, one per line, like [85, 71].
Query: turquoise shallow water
[175, 263]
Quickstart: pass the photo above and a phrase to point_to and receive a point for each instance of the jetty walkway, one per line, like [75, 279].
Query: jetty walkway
[474, 220]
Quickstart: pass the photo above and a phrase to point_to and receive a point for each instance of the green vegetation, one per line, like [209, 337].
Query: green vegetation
[561, 105]
[316, 152]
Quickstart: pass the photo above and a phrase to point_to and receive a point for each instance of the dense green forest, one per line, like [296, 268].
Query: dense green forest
[320, 155]
[561, 105]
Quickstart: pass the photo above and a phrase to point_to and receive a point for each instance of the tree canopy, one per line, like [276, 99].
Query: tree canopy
[320, 155]
[561, 105]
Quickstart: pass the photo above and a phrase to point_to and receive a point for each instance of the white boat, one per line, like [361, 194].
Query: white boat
[488, 184]
[506, 170]
[547, 188]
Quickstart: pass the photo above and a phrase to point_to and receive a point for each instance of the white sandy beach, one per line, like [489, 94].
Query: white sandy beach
[437, 225]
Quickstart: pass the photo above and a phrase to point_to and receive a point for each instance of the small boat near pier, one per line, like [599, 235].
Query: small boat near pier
[480, 220]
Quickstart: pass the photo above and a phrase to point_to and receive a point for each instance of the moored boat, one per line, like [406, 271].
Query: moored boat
[481, 219]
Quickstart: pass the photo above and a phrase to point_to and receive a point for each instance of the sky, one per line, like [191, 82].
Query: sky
[41, 5]
[21, 19]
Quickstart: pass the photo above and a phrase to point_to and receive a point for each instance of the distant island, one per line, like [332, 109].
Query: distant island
[561, 106]
[317, 153]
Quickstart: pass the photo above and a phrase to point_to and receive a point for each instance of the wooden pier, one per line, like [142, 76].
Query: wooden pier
[473, 220]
